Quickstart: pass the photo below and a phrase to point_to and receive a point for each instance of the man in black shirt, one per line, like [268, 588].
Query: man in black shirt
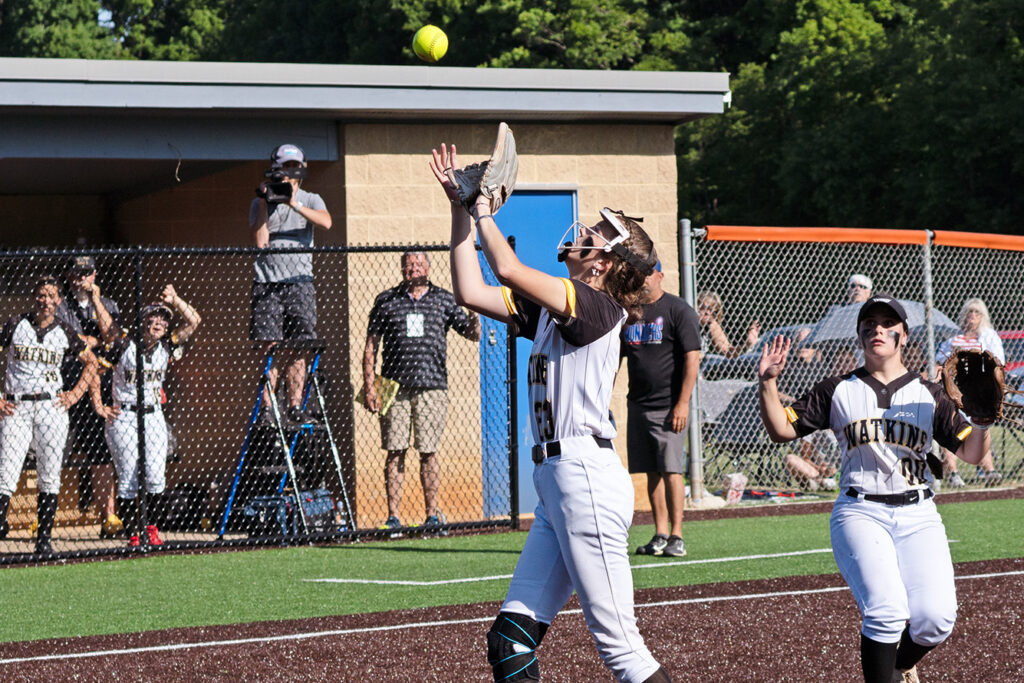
[86, 311]
[663, 356]
[411, 323]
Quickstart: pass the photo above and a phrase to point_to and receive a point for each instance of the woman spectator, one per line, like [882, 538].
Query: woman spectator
[713, 339]
[976, 333]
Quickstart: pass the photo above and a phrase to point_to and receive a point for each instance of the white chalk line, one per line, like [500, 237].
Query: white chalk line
[646, 565]
[430, 624]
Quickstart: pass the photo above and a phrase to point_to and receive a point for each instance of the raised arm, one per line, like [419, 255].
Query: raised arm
[773, 413]
[467, 279]
[109, 330]
[189, 315]
[537, 286]
[321, 218]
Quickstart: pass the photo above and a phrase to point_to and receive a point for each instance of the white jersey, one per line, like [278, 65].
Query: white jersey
[885, 432]
[155, 361]
[34, 354]
[573, 362]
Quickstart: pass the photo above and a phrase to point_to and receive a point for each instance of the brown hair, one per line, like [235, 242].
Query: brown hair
[624, 283]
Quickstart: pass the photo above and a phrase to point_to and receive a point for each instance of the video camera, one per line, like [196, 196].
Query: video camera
[276, 189]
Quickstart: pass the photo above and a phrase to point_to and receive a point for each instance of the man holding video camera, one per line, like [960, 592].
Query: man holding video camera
[283, 298]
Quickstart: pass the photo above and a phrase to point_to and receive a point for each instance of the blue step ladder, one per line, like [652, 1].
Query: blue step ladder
[288, 447]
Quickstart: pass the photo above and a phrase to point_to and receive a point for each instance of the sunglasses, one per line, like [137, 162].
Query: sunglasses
[856, 285]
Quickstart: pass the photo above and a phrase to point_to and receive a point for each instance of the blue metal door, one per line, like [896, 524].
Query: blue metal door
[536, 218]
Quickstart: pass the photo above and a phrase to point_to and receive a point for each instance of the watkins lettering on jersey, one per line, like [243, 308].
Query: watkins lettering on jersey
[36, 354]
[884, 431]
[154, 368]
[887, 431]
[646, 331]
[148, 376]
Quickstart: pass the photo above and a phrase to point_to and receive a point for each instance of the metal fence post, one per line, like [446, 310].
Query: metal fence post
[140, 410]
[513, 421]
[687, 278]
[929, 302]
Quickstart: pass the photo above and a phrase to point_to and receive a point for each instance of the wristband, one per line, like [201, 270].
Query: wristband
[980, 426]
[480, 218]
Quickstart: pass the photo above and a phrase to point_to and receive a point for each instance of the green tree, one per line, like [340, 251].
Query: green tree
[175, 30]
[55, 28]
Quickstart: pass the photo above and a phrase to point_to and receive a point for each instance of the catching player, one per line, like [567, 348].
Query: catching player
[579, 538]
[887, 536]
[158, 350]
[33, 409]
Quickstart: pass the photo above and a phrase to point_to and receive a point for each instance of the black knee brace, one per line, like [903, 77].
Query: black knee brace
[511, 645]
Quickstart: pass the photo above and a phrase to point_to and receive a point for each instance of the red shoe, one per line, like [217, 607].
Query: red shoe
[154, 535]
[133, 542]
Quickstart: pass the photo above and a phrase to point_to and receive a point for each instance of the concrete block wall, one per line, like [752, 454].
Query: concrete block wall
[394, 198]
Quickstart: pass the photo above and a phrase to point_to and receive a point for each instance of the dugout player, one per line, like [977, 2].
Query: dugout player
[411, 322]
[159, 350]
[88, 312]
[283, 296]
[33, 410]
[663, 358]
[887, 537]
[579, 538]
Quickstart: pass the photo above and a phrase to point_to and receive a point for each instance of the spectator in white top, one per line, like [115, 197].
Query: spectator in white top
[976, 333]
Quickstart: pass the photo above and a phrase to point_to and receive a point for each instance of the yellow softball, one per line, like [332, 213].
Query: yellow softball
[430, 43]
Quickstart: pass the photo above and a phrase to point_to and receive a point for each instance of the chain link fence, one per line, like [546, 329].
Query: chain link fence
[223, 460]
[753, 284]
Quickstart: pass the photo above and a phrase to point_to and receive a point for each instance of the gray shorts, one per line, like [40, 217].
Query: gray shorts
[651, 446]
[283, 310]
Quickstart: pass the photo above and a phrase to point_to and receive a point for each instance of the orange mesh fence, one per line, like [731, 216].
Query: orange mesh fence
[754, 283]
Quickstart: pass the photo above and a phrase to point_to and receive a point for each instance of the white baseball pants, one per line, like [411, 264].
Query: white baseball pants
[896, 561]
[123, 440]
[580, 540]
[43, 425]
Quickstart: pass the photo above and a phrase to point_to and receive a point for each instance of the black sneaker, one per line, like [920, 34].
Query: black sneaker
[435, 522]
[393, 525]
[656, 547]
[675, 547]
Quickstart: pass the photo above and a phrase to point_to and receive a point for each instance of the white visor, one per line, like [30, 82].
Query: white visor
[579, 232]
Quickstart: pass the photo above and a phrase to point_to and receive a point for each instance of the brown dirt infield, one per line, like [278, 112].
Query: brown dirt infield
[761, 634]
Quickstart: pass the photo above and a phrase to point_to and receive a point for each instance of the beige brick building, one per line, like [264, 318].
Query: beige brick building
[140, 153]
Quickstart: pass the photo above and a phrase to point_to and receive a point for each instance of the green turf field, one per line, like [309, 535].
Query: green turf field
[167, 591]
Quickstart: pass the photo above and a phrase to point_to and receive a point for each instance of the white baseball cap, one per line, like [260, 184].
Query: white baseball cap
[860, 279]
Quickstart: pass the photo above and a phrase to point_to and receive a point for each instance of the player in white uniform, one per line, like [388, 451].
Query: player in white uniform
[887, 537]
[578, 540]
[33, 409]
[159, 350]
